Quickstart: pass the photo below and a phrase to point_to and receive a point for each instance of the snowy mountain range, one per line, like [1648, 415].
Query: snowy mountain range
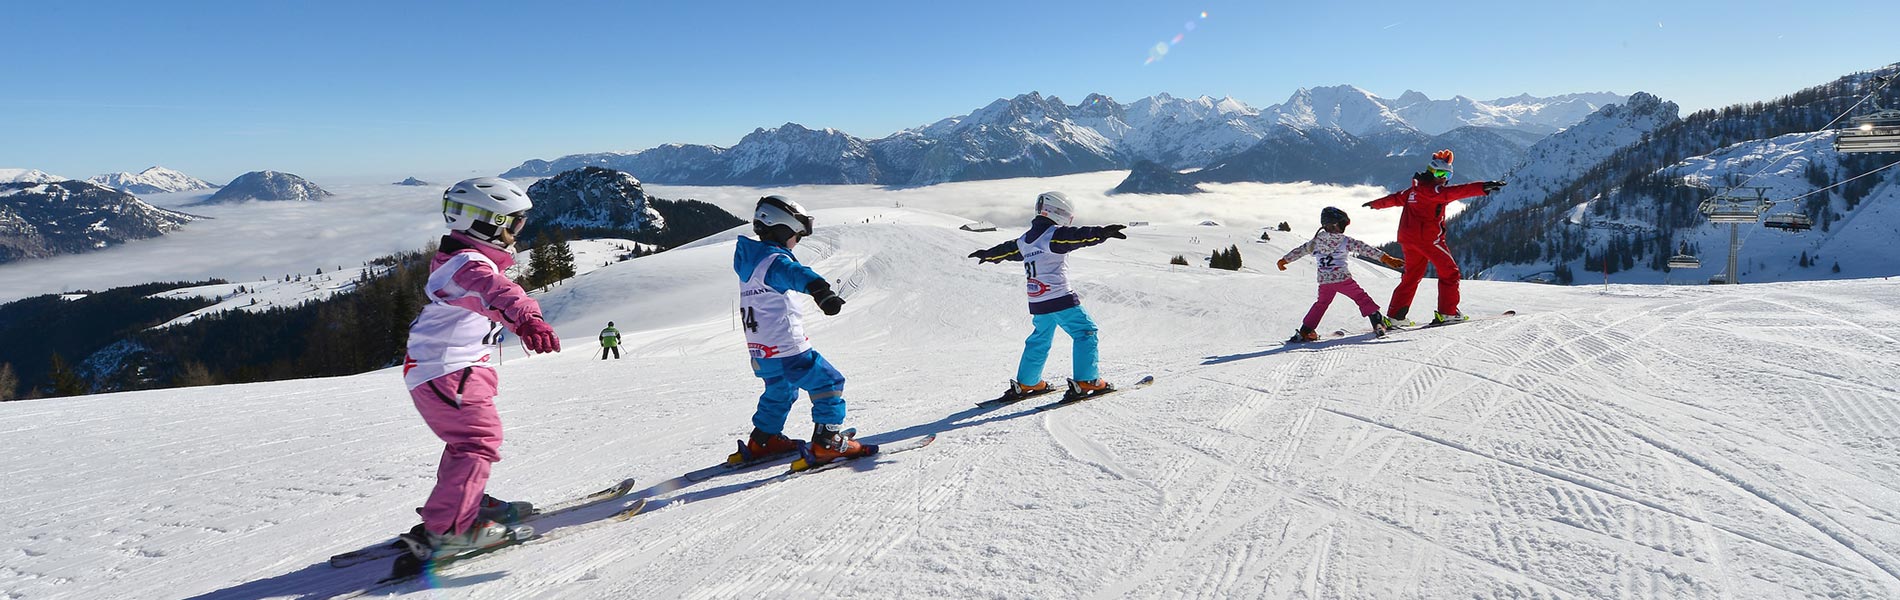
[1619, 193]
[1033, 135]
[269, 186]
[28, 176]
[153, 180]
[63, 217]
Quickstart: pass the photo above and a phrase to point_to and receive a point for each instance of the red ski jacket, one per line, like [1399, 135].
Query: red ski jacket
[1423, 222]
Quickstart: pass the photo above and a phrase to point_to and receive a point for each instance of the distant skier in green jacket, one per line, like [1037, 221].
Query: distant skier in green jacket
[610, 341]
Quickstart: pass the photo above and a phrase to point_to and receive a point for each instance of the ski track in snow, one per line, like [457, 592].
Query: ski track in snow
[1648, 442]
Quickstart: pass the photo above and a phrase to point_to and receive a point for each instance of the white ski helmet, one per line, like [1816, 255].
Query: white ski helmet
[483, 207]
[778, 219]
[1055, 206]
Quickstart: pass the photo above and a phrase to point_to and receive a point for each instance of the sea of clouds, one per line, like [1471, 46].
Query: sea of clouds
[268, 240]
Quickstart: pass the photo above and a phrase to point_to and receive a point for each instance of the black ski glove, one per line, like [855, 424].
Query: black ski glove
[828, 300]
[1115, 231]
[1367, 205]
[1492, 186]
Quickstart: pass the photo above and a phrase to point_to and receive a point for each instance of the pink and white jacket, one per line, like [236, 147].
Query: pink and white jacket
[1333, 251]
[470, 302]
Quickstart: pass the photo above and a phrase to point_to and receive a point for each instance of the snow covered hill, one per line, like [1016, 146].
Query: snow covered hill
[153, 180]
[28, 176]
[1648, 442]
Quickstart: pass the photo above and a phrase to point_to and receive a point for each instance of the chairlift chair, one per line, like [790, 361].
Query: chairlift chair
[1877, 132]
[1684, 261]
[1789, 221]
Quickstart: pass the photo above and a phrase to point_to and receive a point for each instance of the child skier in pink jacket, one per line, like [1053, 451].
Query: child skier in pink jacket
[454, 347]
[1332, 249]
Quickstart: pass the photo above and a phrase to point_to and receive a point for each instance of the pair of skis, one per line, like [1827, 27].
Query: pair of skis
[1341, 334]
[408, 566]
[1006, 399]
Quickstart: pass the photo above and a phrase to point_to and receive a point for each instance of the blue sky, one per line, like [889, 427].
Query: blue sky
[343, 88]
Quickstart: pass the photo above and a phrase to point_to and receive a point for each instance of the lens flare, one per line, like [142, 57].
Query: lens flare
[1160, 50]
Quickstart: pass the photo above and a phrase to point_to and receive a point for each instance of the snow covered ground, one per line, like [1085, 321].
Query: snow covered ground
[1647, 442]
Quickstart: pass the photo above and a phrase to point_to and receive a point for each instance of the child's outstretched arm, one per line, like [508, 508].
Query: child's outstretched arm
[788, 274]
[1364, 249]
[999, 253]
[1068, 239]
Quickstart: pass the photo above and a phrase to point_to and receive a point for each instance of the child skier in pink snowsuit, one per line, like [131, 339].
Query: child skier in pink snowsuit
[1332, 248]
[454, 347]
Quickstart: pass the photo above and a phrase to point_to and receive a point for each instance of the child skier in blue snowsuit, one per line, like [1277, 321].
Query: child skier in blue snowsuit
[775, 338]
[1044, 250]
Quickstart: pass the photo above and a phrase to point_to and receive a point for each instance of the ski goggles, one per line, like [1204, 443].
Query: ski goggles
[513, 222]
[1441, 173]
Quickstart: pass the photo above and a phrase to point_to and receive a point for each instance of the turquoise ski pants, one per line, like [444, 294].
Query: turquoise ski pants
[1081, 329]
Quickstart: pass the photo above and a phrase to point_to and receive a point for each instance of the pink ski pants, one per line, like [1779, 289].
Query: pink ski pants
[1326, 292]
[460, 408]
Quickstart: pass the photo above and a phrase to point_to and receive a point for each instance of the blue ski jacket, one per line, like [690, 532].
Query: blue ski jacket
[785, 274]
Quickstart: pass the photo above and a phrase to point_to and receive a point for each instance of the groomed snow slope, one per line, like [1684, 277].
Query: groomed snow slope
[1651, 442]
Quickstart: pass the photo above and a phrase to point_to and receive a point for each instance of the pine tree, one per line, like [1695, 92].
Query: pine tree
[540, 264]
[66, 381]
[560, 258]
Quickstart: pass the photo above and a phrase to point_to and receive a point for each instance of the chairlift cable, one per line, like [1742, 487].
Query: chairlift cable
[1884, 82]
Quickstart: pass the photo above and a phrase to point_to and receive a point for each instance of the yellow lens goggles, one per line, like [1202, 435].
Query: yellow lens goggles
[513, 223]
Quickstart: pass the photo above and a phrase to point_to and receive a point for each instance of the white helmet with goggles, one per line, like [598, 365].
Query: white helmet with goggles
[483, 207]
[778, 219]
[1441, 164]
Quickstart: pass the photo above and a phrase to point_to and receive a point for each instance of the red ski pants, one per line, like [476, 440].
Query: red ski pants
[460, 408]
[1417, 256]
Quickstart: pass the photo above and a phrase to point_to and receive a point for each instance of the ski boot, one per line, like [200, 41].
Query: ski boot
[1305, 334]
[830, 443]
[1019, 391]
[1396, 320]
[1084, 389]
[506, 513]
[426, 546]
[762, 446]
[1379, 324]
[1439, 318]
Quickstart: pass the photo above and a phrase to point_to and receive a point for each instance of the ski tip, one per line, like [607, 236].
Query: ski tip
[1510, 312]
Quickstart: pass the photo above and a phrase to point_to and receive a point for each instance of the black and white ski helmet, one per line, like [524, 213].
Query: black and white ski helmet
[778, 219]
[1330, 216]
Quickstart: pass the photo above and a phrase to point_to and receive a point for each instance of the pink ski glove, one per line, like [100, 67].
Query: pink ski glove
[539, 336]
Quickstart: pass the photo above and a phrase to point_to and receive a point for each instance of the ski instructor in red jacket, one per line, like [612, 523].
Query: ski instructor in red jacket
[1422, 236]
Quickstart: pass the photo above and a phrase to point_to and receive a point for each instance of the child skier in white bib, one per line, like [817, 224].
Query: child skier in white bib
[775, 337]
[454, 347]
[1044, 251]
[1333, 250]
